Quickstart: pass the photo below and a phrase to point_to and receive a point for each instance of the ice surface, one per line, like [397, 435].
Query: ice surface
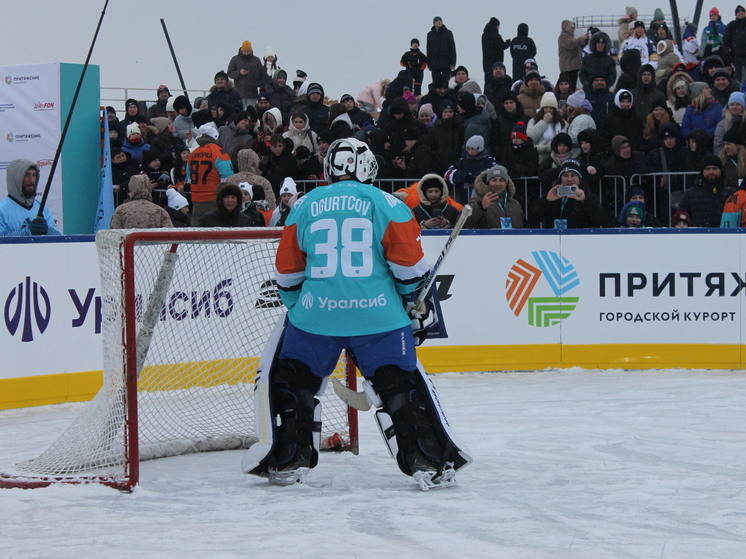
[568, 464]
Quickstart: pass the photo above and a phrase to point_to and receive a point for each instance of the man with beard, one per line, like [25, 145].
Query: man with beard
[19, 212]
[499, 85]
[705, 200]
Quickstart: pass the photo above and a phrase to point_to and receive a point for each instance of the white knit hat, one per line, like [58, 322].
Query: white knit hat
[133, 128]
[247, 188]
[175, 200]
[288, 187]
[549, 99]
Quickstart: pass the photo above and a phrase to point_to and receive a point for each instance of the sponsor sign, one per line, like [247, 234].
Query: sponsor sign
[30, 126]
[512, 289]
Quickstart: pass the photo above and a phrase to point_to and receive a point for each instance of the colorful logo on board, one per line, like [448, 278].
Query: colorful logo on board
[542, 288]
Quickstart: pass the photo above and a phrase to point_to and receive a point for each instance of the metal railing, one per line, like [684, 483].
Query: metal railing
[584, 22]
[117, 96]
[665, 189]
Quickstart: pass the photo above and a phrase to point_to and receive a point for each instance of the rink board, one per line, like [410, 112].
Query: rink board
[512, 300]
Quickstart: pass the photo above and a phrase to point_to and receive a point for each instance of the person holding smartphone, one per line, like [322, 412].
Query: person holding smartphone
[569, 201]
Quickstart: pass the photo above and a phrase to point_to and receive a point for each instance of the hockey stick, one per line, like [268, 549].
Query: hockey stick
[363, 400]
[465, 213]
[155, 304]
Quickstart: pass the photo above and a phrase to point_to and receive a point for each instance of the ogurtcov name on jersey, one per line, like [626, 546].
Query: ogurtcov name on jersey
[340, 203]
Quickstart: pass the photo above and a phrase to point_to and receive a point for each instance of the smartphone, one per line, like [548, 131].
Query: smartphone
[566, 190]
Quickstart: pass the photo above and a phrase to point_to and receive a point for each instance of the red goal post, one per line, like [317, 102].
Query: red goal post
[185, 317]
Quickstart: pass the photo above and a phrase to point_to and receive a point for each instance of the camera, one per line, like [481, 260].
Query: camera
[566, 190]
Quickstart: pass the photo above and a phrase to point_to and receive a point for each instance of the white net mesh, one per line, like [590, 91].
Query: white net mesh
[195, 389]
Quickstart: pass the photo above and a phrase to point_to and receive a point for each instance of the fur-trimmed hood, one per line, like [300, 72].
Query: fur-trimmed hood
[228, 87]
[595, 38]
[481, 187]
[228, 189]
[444, 186]
[677, 77]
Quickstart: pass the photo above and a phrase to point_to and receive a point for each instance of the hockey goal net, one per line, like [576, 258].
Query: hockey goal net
[186, 314]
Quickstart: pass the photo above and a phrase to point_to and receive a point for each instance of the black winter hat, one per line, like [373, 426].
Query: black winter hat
[220, 74]
[413, 41]
[315, 88]
[446, 104]
[243, 115]
[572, 166]
[181, 102]
[149, 156]
[561, 138]
[711, 160]
[431, 182]
[733, 135]
[669, 130]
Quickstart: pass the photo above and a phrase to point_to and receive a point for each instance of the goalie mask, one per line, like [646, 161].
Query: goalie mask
[349, 156]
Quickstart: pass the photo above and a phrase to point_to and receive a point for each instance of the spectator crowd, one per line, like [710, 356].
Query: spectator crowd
[632, 130]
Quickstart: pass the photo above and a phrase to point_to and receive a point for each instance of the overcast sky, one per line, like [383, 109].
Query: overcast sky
[343, 45]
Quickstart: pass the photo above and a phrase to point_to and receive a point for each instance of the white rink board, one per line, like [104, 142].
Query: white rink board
[476, 309]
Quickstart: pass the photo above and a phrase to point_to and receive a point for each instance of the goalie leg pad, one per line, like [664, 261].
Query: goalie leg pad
[298, 427]
[409, 424]
[290, 428]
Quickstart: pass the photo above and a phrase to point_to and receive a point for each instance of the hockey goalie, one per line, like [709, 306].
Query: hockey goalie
[350, 269]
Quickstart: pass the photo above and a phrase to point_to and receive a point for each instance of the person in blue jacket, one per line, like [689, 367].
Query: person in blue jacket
[19, 212]
[704, 113]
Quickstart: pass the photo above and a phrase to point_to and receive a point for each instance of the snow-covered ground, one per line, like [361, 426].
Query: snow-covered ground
[568, 464]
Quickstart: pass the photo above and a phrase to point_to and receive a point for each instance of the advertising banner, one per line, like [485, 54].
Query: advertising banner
[561, 294]
[648, 286]
[30, 125]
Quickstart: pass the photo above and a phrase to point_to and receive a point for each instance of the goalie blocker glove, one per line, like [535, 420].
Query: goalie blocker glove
[423, 315]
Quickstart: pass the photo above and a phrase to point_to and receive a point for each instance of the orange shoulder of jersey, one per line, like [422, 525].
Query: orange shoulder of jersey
[401, 243]
[290, 258]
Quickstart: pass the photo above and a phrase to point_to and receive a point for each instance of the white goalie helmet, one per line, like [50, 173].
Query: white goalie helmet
[349, 156]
